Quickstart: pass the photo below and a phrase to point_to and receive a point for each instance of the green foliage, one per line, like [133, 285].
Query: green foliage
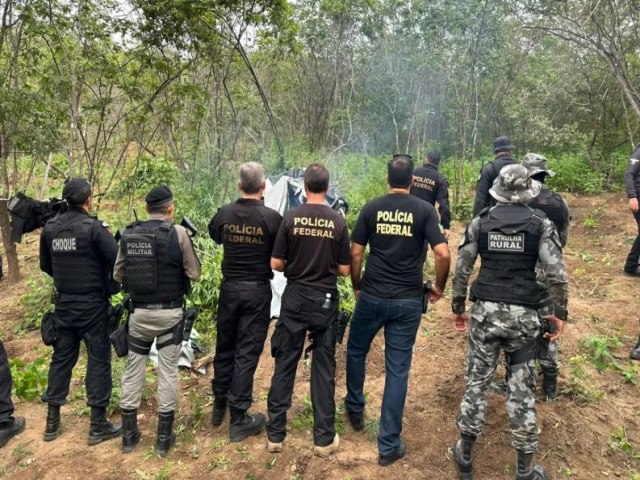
[204, 293]
[631, 373]
[147, 173]
[620, 443]
[574, 174]
[29, 379]
[599, 350]
[581, 382]
[372, 427]
[219, 462]
[36, 301]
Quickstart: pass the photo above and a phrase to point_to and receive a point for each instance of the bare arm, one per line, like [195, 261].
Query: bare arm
[357, 254]
[442, 264]
[278, 264]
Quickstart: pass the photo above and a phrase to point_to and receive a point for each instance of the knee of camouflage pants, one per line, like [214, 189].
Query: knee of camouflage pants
[521, 407]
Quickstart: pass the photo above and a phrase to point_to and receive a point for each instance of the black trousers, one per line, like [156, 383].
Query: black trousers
[301, 313]
[6, 405]
[244, 311]
[634, 255]
[66, 350]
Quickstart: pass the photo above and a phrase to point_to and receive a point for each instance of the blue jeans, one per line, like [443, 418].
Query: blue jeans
[400, 319]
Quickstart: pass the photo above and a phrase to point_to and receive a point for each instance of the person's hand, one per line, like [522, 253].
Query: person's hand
[446, 233]
[435, 294]
[356, 293]
[461, 321]
[559, 324]
[633, 205]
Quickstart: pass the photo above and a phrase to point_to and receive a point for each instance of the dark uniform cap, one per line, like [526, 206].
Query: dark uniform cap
[158, 195]
[502, 144]
[513, 185]
[536, 163]
[76, 190]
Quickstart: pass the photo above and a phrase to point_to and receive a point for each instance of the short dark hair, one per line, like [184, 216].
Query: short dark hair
[400, 171]
[434, 157]
[161, 208]
[316, 178]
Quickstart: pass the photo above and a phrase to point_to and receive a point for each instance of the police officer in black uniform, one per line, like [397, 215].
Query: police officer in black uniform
[503, 150]
[430, 185]
[312, 248]
[10, 426]
[632, 186]
[247, 230]
[156, 263]
[79, 252]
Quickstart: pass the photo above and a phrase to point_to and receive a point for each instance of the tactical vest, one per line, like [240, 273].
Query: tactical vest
[552, 205]
[508, 245]
[77, 268]
[153, 263]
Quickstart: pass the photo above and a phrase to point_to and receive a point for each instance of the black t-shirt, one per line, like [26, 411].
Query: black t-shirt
[397, 228]
[314, 240]
[247, 229]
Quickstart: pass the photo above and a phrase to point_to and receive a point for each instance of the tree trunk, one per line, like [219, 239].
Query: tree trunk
[5, 225]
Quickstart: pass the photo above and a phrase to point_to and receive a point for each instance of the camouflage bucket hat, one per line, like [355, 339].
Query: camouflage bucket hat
[536, 163]
[514, 185]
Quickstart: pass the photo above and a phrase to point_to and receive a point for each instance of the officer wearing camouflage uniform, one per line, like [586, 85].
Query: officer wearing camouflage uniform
[247, 230]
[78, 251]
[511, 238]
[556, 210]
[503, 150]
[156, 263]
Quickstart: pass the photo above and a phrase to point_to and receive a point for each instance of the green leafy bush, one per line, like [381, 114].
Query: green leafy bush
[599, 350]
[36, 300]
[29, 379]
[148, 173]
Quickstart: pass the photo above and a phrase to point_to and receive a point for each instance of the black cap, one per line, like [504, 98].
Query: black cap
[158, 195]
[502, 144]
[76, 191]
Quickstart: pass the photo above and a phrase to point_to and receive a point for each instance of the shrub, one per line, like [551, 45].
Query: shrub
[29, 379]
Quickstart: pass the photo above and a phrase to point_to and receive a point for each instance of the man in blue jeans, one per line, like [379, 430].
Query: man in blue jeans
[397, 227]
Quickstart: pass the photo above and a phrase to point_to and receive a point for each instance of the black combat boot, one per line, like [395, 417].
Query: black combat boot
[526, 470]
[549, 386]
[166, 438]
[130, 431]
[11, 429]
[243, 425]
[101, 428]
[635, 353]
[219, 409]
[52, 427]
[463, 456]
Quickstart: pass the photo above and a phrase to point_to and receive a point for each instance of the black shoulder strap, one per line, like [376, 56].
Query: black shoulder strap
[537, 217]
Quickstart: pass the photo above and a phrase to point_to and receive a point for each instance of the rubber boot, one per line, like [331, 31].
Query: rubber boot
[166, 438]
[243, 425]
[130, 431]
[52, 427]
[526, 470]
[635, 353]
[101, 428]
[463, 456]
[549, 386]
[219, 410]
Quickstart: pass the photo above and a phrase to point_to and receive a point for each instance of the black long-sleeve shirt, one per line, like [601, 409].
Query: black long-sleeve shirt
[632, 175]
[430, 185]
[485, 181]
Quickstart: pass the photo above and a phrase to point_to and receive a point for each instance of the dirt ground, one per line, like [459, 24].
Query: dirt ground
[575, 436]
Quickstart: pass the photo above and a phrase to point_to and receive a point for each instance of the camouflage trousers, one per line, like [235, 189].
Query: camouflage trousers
[549, 365]
[494, 327]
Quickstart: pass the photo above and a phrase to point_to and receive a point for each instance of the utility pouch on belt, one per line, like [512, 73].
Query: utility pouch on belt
[48, 329]
[426, 288]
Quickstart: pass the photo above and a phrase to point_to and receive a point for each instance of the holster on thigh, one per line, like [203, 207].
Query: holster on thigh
[174, 336]
[137, 345]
